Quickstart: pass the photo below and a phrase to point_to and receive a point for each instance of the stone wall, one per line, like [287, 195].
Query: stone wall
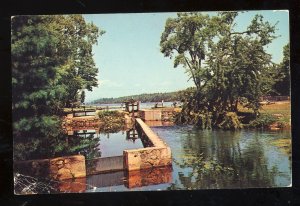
[168, 115]
[68, 167]
[140, 178]
[138, 159]
[157, 155]
[60, 168]
[73, 186]
[80, 123]
[150, 115]
[165, 114]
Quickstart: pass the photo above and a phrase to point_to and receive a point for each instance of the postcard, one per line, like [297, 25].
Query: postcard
[151, 101]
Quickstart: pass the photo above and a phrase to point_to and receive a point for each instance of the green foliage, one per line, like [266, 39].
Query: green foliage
[153, 97]
[82, 96]
[51, 62]
[263, 121]
[35, 137]
[226, 65]
[87, 146]
[111, 121]
[203, 166]
[282, 86]
[230, 121]
[48, 141]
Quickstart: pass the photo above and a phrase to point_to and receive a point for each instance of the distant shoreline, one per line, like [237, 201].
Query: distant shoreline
[146, 97]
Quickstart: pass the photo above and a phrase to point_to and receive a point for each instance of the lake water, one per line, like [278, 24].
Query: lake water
[201, 159]
[240, 159]
[143, 105]
[209, 159]
[113, 144]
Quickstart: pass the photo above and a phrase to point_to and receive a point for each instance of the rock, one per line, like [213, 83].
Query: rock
[153, 157]
[67, 167]
[64, 173]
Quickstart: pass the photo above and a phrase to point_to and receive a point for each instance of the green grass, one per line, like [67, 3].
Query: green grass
[279, 108]
[283, 109]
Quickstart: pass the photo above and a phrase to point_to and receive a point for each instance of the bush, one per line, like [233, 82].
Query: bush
[111, 121]
[230, 122]
[263, 121]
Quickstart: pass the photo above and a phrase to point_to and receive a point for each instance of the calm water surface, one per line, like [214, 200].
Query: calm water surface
[143, 105]
[113, 144]
[205, 159]
[201, 159]
[245, 158]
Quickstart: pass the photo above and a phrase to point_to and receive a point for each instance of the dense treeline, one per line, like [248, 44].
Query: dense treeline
[229, 67]
[282, 85]
[52, 65]
[153, 97]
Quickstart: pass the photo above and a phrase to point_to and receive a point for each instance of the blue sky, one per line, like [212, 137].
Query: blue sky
[129, 59]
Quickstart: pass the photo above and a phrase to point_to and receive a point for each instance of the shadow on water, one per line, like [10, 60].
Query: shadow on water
[202, 159]
[226, 159]
[129, 180]
[114, 181]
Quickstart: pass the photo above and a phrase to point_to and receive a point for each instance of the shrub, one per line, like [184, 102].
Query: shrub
[111, 121]
[230, 121]
[263, 121]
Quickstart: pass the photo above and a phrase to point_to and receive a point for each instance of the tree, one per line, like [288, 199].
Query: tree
[79, 71]
[226, 65]
[189, 36]
[82, 96]
[282, 86]
[45, 53]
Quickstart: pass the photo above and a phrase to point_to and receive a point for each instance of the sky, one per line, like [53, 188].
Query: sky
[129, 59]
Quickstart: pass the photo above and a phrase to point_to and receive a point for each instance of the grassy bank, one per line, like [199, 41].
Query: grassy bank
[282, 110]
[274, 116]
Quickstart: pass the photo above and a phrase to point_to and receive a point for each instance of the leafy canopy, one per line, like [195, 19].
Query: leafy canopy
[52, 63]
[227, 66]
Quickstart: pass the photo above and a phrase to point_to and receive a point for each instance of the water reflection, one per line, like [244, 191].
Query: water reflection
[202, 159]
[72, 185]
[225, 159]
[159, 123]
[132, 134]
[153, 176]
[113, 144]
[124, 180]
[86, 144]
[106, 179]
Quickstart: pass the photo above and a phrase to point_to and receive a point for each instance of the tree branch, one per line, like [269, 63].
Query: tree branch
[192, 72]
